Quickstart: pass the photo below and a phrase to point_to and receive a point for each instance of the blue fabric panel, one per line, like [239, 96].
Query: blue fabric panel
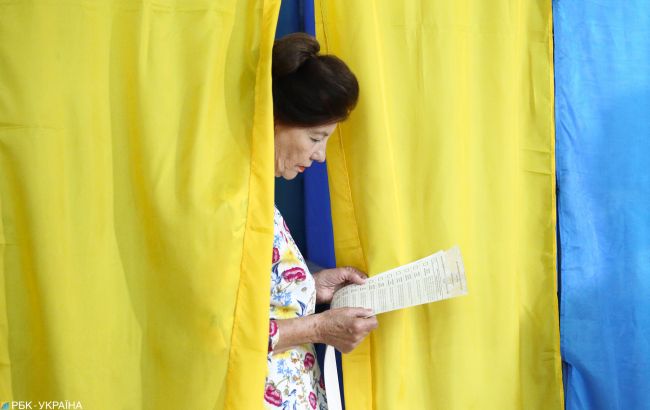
[318, 216]
[602, 80]
[290, 19]
[309, 21]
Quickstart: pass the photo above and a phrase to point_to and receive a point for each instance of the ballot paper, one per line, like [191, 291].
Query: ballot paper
[436, 277]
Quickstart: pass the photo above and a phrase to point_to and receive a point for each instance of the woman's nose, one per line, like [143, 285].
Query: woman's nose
[319, 155]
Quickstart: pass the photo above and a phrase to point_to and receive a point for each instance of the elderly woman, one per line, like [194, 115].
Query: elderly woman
[312, 93]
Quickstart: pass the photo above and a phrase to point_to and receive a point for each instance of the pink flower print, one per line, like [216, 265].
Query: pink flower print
[273, 395]
[273, 330]
[312, 399]
[321, 382]
[276, 255]
[294, 274]
[286, 228]
[309, 361]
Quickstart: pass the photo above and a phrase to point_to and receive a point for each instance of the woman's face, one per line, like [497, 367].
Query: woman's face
[296, 148]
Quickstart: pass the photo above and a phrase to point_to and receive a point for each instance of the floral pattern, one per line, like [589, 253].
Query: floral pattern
[293, 380]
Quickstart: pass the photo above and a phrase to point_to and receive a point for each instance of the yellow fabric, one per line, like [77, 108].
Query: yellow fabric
[136, 197]
[451, 143]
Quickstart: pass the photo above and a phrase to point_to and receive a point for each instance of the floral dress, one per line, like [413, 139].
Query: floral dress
[293, 380]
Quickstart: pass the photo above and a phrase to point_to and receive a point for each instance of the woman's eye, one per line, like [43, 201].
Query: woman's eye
[315, 140]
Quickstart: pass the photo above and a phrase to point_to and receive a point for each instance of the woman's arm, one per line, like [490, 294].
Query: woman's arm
[343, 328]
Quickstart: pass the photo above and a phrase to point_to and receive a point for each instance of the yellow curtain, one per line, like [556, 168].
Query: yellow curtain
[136, 197]
[451, 143]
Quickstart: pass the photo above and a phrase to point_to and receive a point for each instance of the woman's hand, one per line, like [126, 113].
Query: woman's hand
[329, 281]
[344, 328]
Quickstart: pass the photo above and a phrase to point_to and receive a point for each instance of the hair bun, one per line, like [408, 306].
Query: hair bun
[291, 52]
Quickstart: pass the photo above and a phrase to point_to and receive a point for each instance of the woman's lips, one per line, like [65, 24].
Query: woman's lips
[301, 169]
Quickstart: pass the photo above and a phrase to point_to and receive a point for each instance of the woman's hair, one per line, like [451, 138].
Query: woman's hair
[310, 89]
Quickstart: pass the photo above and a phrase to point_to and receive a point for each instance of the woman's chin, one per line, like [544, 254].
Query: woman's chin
[289, 175]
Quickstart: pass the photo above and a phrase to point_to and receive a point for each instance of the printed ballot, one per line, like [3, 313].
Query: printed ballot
[436, 277]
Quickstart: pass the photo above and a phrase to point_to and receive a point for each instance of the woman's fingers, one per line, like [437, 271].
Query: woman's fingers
[371, 323]
[354, 275]
[359, 312]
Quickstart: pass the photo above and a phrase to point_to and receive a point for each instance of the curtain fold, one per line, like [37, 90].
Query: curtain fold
[136, 191]
[451, 143]
[603, 105]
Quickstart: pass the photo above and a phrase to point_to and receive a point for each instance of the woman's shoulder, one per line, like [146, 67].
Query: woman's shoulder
[279, 226]
[279, 223]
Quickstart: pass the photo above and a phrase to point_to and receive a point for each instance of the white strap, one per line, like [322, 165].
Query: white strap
[332, 380]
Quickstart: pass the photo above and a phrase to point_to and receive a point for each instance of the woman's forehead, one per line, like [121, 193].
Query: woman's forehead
[325, 130]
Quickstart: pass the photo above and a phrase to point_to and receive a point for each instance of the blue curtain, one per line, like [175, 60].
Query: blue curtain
[602, 80]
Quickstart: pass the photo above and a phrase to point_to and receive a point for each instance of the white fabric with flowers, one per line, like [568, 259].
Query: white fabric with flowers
[293, 380]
